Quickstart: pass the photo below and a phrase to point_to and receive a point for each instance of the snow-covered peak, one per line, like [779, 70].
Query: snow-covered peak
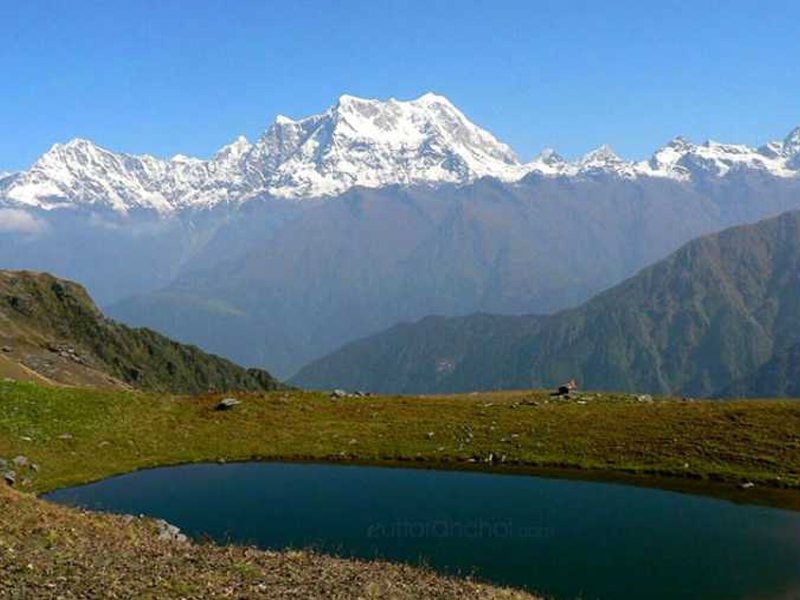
[665, 160]
[234, 152]
[791, 144]
[550, 162]
[355, 142]
[371, 143]
[81, 173]
[604, 161]
[680, 159]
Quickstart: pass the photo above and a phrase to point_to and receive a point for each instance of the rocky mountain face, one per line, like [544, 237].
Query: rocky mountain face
[368, 259]
[356, 142]
[779, 376]
[338, 225]
[721, 316]
[50, 330]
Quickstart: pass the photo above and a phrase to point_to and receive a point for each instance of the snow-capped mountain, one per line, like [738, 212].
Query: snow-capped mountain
[371, 143]
[680, 159]
[82, 173]
[356, 142]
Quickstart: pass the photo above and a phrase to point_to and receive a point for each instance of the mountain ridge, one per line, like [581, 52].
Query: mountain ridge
[51, 331]
[356, 142]
[713, 313]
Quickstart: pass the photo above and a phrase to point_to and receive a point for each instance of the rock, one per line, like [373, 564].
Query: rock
[227, 404]
[337, 393]
[65, 436]
[10, 477]
[430, 435]
[170, 533]
[7, 349]
[34, 467]
[20, 461]
[746, 485]
[644, 398]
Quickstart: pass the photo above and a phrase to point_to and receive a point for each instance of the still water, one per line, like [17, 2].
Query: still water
[563, 539]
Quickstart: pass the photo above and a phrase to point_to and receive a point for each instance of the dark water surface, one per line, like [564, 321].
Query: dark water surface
[565, 539]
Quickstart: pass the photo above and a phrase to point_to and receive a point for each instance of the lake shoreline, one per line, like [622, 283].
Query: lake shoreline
[787, 498]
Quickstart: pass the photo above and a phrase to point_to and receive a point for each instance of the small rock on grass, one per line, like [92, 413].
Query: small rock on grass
[169, 533]
[227, 404]
[10, 477]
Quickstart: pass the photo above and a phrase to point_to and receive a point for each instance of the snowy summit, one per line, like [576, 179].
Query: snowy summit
[356, 142]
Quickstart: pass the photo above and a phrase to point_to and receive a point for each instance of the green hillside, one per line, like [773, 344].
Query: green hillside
[780, 375]
[51, 331]
[712, 313]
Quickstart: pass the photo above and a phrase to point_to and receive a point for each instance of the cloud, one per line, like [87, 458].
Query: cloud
[14, 220]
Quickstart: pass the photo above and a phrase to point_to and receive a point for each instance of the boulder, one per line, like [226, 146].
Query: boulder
[20, 461]
[10, 477]
[337, 393]
[169, 533]
[227, 404]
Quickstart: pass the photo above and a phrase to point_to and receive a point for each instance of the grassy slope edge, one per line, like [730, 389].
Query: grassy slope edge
[48, 551]
[78, 435]
[51, 328]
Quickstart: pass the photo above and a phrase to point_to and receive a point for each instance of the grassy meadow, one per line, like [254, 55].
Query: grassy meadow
[76, 435]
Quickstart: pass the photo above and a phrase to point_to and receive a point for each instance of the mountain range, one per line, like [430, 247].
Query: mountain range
[356, 142]
[339, 225]
[720, 316]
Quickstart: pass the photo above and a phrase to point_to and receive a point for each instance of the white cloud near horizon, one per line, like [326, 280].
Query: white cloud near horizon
[14, 220]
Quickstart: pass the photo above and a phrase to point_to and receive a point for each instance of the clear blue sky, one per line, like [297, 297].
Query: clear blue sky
[170, 76]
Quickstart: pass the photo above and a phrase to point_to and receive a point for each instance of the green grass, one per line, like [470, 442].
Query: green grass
[78, 435]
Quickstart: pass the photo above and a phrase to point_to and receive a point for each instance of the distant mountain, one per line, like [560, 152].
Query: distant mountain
[50, 330]
[356, 142]
[779, 376]
[724, 308]
[341, 224]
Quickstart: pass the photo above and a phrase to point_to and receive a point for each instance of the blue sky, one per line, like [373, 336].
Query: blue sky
[180, 76]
